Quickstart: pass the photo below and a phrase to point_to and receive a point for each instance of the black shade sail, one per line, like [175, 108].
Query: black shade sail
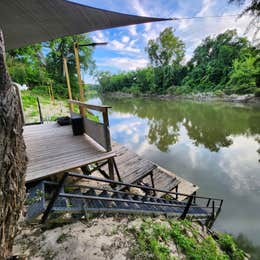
[26, 22]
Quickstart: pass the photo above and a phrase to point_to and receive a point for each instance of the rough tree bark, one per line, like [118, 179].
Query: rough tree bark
[12, 158]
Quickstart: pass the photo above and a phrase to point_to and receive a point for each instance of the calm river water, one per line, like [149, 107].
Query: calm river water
[213, 145]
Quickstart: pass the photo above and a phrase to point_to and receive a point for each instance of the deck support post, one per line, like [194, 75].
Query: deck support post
[85, 169]
[176, 189]
[186, 209]
[194, 198]
[54, 197]
[117, 171]
[152, 181]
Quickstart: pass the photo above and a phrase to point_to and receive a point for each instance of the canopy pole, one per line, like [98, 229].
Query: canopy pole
[81, 90]
[68, 82]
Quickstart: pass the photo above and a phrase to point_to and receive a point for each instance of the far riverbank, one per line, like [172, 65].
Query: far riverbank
[247, 98]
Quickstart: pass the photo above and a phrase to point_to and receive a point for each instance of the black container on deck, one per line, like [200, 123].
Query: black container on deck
[77, 125]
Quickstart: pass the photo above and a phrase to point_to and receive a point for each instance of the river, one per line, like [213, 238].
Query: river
[213, 145]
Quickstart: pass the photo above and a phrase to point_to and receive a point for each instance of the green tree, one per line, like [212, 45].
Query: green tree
[26, 65]
[63, 47]
[166, 49]
[246, 71]
[212, 62]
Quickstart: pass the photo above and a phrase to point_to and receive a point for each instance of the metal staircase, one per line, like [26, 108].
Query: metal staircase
[52, 199]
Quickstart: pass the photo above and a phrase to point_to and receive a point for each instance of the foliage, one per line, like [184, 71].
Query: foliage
[211, 65]
[63, 47]
[156, 241]
[42, 64]
[257, 92]
[243, 78]
[26, 65]
[147, 80]
[166, 49]
[228, 245]
[227, 63]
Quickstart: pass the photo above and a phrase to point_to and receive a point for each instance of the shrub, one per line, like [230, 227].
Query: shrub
[135, 90]
[228, 245]
[171, 90]
[219, 93]
[183, 90]
[257, 92]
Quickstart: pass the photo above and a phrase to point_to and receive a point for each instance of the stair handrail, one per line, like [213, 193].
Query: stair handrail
[186, 207]
[141, 187]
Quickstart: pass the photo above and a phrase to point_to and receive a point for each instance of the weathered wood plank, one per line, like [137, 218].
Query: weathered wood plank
[52, 149]
[133, 168]
[100, 108]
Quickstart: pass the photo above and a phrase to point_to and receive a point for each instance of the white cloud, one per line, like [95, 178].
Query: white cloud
[124, 63]
[206, 8]
[99, 36]
[133, 39]
[140, 10]
[132, 30]
[122, 47]
[125, 39]
[242, 171]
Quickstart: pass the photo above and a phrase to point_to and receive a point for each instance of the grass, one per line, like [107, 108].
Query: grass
[50, 109]
[155, 241]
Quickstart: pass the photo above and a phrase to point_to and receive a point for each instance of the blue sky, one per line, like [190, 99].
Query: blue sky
[125, 50]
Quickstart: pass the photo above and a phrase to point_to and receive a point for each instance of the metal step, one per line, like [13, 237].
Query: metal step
[100, 200]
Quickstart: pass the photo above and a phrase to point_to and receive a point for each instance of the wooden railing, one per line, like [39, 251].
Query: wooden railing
[99, 131]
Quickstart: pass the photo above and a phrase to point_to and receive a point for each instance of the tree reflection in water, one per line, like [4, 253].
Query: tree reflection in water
[211, 144]
[209, 125]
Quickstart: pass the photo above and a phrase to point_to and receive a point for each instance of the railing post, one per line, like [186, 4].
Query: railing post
[194, 198]
[40, 110]
[212, 217]
[106, 128]
[186, 209]
[108, 143]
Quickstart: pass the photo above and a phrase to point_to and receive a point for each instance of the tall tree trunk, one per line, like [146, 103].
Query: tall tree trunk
[12, 158]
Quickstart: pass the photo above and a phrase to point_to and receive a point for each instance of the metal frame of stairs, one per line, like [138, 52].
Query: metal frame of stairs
[52, 198]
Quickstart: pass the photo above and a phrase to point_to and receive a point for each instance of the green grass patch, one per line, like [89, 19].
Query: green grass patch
[156, 240]
[50, 110]
[228, 244]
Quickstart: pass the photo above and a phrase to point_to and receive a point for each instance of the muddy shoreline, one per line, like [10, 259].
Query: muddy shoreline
[246, 99]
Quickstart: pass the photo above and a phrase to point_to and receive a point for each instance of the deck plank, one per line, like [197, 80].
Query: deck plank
[133, 167]
[52, 149]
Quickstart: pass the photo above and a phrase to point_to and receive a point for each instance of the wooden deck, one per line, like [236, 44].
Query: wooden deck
[133, 167]
[52, 149]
